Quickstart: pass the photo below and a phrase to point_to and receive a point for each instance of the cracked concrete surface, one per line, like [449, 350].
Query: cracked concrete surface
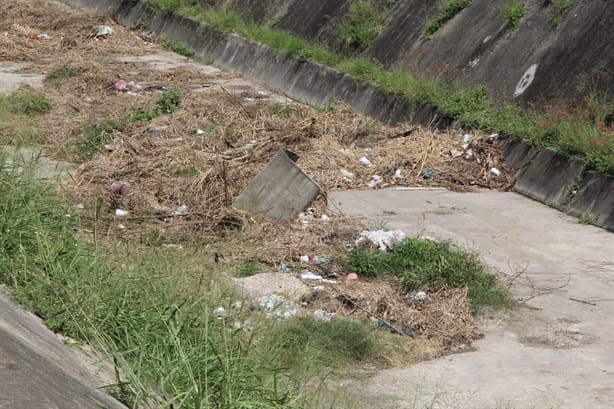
[557, 351]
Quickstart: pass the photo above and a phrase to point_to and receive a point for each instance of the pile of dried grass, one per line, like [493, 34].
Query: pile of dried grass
[445, 315]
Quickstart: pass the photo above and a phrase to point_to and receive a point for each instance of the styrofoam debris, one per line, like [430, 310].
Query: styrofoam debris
[365, 161]
[384, 240]
[121, 213]
[308, 275]
[181, 210]
[495, 171]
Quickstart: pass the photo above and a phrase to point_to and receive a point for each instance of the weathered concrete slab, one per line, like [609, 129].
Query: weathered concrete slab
[549, 178]
[516, 153]
[561, 356]
[595, 197]
[43, 167]
[11, 78]
[280, 191]
[37, 371]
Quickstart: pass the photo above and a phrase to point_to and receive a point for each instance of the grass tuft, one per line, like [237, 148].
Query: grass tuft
[25, 102]
[62, 72]
[361, 26]
[420, 262]
[451, 9]
[514, 12]
[177, 46]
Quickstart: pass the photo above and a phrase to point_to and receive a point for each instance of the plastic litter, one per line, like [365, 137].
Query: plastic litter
[43, 36]
[284, 268]
[428, 173]
[181, 210]
[80, 206]
[132, 94]
[383, 240]
[304, 259]
[365, 161]
[420, 296]
[121, 85]
[324, 218]
[277, 306]
[323, 315]
[494, 136]
[104, 31]
[320, 260]
[352, 277]
[220, 313]
[119, 187]
[121, 213]
[469, 154]
[495, 171]
[200, 132]
[375, 181]
[237, 305]
[466, 138]
[308, 275]
[398, 175]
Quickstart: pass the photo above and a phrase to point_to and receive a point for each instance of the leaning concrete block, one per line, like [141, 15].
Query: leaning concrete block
[549, 178]
[516, 153]
[280, 191]
[595, 196]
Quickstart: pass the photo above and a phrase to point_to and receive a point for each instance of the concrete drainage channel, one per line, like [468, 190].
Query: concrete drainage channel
[543, 174]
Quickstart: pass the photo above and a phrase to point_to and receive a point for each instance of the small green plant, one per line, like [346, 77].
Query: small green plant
[177, 46]
[283, 110]
[249, 268]
[587, 218]
[30, 103]
[451, 9]
[170, 101]
[560, 9]
[63, 72]
[361, 25]
[95, 137]
[514, 12]
[420, 262]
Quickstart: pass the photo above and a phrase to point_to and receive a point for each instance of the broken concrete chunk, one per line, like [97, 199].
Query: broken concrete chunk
[280, 191]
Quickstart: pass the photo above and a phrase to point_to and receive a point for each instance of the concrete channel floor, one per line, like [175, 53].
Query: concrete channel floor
[557, 351]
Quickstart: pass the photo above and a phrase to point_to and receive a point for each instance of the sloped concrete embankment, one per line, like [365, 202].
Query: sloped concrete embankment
[543, 175]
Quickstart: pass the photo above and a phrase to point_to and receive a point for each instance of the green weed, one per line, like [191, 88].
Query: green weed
[514, 12]
[360, 26]
[26, 102]
[587, 218]
[420, 262]
[560, 9]
[177, 46]
[170, 101]
[62, 72]
[451, 9]
[249, 268]
[95, 137]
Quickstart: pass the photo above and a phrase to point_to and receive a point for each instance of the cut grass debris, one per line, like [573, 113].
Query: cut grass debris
[96, 136]
[420, 262]
[514, 12]
[451, 9]
[473, 107]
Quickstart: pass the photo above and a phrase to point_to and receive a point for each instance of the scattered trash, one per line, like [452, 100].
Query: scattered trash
[121, 226]
[263, 94]
[319, 288]
[268, 194]
[220, 313]
[347, 175]
[121, 213]
[200, 132]
[389, 326]
[308, 275]
[455, 153]
[277, 306]
[104, 31]
[495, 171]
[469, 154]
[237, 305]
[428, 173]
[132, 94]
[181, 210]
[364, 161]
[121, 85]
[384, 240]
[304, 223]
[494, 137]
[284, 268]
[332, 274]
[119, 187]
[320, 260]
[520, 299]
[43, 36]
[173, 246]
[304, 259]
[80, 206]
[375, 181]
[324, 218]
[323, 315]
[418, 296]
[352, 277]
[398, 175]
[466, 138]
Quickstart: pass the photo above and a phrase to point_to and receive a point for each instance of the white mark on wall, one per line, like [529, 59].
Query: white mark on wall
[474, 62]
[525, 81]
[487, 39]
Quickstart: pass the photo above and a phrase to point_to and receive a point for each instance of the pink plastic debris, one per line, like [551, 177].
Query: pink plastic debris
[119, 187]
[121, 85]
[352, 277]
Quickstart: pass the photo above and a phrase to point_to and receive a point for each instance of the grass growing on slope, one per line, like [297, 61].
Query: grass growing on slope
[420, 262]
[153, 313]
[451, 9]
[575, 135]
[514, 12]
[360, 26]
